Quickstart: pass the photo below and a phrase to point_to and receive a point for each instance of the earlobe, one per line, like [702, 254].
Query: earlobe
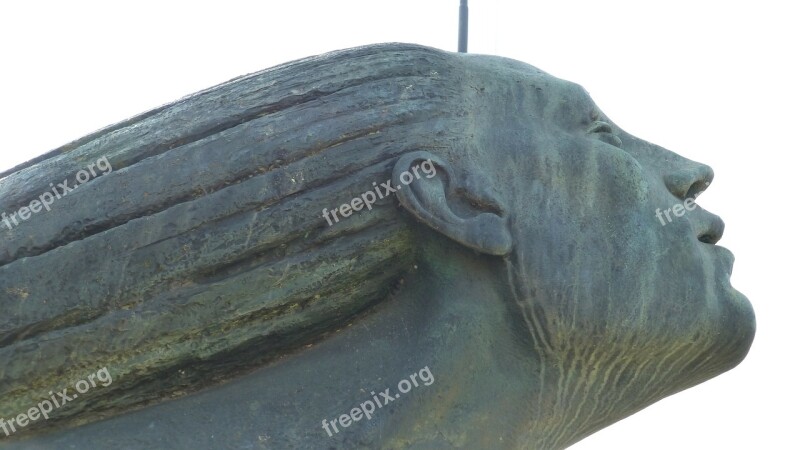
[460, 207]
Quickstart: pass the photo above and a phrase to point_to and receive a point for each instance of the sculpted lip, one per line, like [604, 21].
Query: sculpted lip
[725, 256]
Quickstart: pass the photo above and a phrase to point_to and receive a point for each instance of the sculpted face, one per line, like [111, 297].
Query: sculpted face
[623, 306]
[605, 280]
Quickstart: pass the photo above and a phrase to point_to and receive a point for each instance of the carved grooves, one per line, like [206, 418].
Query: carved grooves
[270, 157]
[217, 270]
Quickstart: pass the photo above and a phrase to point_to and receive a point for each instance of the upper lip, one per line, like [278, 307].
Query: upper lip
[712, 228]
[726, 256]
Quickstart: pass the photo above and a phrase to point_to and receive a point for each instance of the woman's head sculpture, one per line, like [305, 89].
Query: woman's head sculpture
[561, 259]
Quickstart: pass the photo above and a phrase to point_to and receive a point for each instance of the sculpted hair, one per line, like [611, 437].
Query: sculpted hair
[204, 252]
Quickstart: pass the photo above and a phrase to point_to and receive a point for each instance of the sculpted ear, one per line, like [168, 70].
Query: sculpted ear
[461, 207]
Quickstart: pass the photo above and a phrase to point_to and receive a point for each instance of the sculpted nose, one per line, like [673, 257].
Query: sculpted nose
[689, 181]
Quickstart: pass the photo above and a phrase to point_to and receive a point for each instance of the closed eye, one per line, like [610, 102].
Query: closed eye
[605, 133]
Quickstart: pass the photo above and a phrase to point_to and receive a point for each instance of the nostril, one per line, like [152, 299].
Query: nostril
[708, 239]
[713, 230]
[696, 188]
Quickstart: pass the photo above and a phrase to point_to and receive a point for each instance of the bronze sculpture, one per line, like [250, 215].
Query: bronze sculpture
[531, 274]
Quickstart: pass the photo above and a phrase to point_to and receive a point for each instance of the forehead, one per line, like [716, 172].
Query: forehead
[533, 89]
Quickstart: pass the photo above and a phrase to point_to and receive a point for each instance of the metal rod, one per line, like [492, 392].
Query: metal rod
[463, 27]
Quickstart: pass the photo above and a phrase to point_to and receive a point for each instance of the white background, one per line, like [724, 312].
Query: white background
[714, 81]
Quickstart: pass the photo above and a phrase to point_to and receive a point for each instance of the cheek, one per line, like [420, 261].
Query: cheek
[615, 240]
[623, 186]
[587, 240]
[604, 189]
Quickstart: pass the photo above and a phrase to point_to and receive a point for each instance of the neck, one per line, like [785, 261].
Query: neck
[458, 321]
[453, 319]
[491, 388]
